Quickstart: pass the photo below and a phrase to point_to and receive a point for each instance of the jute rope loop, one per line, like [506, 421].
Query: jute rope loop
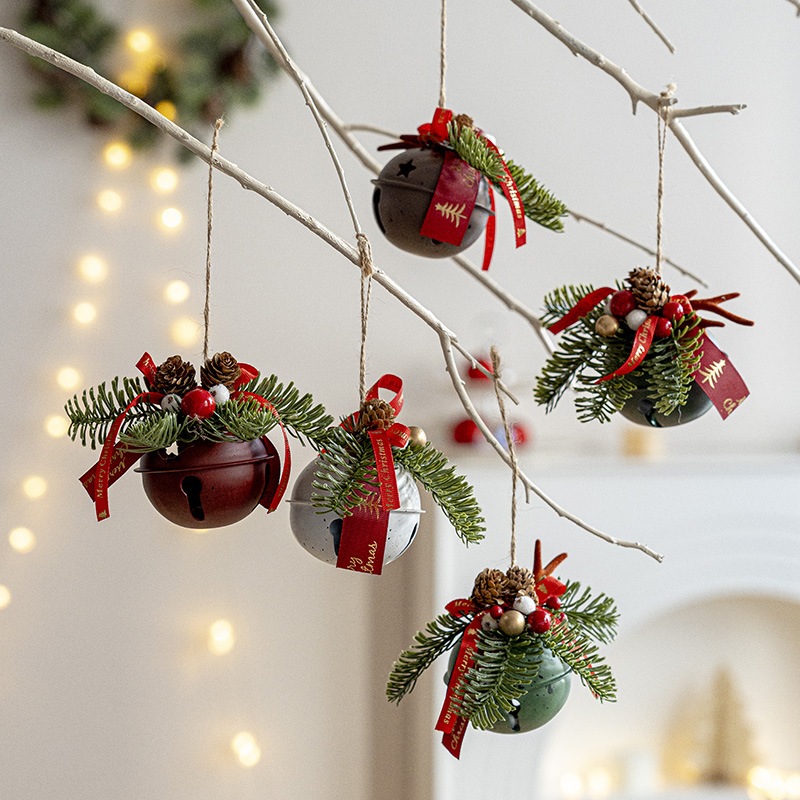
[210, 222]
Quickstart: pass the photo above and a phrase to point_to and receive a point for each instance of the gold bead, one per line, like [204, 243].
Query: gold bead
[512, 623]
[417, 437]
[606, 325]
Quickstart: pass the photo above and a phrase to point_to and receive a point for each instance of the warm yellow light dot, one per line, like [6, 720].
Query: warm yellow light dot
[117, 155]
[221, 637]
[155, 62]
[92, 268]
[5, 596]
[34, 487]
[184, 331]
[793, 785]
[139, 41]
[68, 378]
[167, 109]
[84, 313]
[56, 425]
[135, 82]
[164, 180]
[109, 200]
[171, 217]
[246, 749]
[571, 786]
[598, 783]
[22, 540]
[758, 777]
[176, 292]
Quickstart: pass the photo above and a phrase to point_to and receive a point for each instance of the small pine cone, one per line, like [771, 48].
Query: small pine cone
[174, 376]
[463, 121]
[375, 415]
[491, 586]
[221, 368]
[648, 288]
[520, 582]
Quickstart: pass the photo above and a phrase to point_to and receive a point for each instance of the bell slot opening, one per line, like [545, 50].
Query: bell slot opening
[191, 486]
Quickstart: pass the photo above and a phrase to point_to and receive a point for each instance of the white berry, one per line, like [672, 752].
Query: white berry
[171, 402]
[635, 318]
[489, 623]
[220, 393]
[525, 605]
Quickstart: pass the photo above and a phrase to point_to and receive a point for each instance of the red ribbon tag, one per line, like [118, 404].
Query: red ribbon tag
[720, 380]
[580, 309]
[453, 201]
[549, 586]
[453, 740]
[121, 461]
[437, 129]
[147, 367]
[511, 192]
[102, 469]
[491, 225]
[246, 374]
[363, 540]
[641, 345]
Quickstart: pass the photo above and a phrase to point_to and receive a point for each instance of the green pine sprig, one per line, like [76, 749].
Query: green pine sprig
[595, 617]
[583, 356]
[347, 467]
[438, 637]
[502, 672]
[92, 413]
[147, 427]
[538, 204]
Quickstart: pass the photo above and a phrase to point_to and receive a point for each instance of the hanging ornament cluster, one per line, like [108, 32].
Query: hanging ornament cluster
[436, 198]
[224, 467]
[639, 350]
[357, 505]
[210, 69]
[515, 643]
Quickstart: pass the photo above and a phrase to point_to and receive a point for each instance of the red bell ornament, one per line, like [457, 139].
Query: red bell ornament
[211, 484]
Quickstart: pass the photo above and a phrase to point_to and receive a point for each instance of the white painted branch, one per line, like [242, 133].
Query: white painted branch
[796, 4]
[458, 385]
[658, 32]
[447, 338]
[638, 94]
[582, 218]
[696, 112]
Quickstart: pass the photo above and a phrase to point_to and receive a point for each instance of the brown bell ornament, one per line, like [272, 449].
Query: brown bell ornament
[403, 192]
[211, 484]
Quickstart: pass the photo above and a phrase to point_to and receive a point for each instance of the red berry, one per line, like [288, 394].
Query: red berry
[673, 309]
[539, 621]
[552, 602]
[622, 303]
[519, 433]
[465, 432]
[683, 300]
[495, 612]
[198, 404]
[663, 327]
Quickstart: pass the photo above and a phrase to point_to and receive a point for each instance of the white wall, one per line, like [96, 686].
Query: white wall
[105, 688]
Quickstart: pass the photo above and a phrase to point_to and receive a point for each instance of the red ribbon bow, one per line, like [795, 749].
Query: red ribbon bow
[115, 460]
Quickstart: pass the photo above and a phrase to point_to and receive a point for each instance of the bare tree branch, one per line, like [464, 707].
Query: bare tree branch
[638, 94]
[658, 32]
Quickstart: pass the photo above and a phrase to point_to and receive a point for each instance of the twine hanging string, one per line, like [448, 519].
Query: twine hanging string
[663, 112]
[207, 307]
[367, 268]
[443, 55]
[512, 452]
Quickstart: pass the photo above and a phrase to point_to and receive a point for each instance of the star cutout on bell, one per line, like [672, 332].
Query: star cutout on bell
[405, 168]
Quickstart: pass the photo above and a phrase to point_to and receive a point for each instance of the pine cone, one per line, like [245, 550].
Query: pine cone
[464, 121]
[221, 368]
[648, 288]
[375, 415]
[520, 582]
[490, 588]
[174, 376]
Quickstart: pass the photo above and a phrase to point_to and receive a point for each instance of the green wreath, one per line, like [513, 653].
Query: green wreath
[214, 66]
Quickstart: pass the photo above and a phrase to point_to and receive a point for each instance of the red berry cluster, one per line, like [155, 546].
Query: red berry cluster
[540, 620]
[623, 302]
[198, 403]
